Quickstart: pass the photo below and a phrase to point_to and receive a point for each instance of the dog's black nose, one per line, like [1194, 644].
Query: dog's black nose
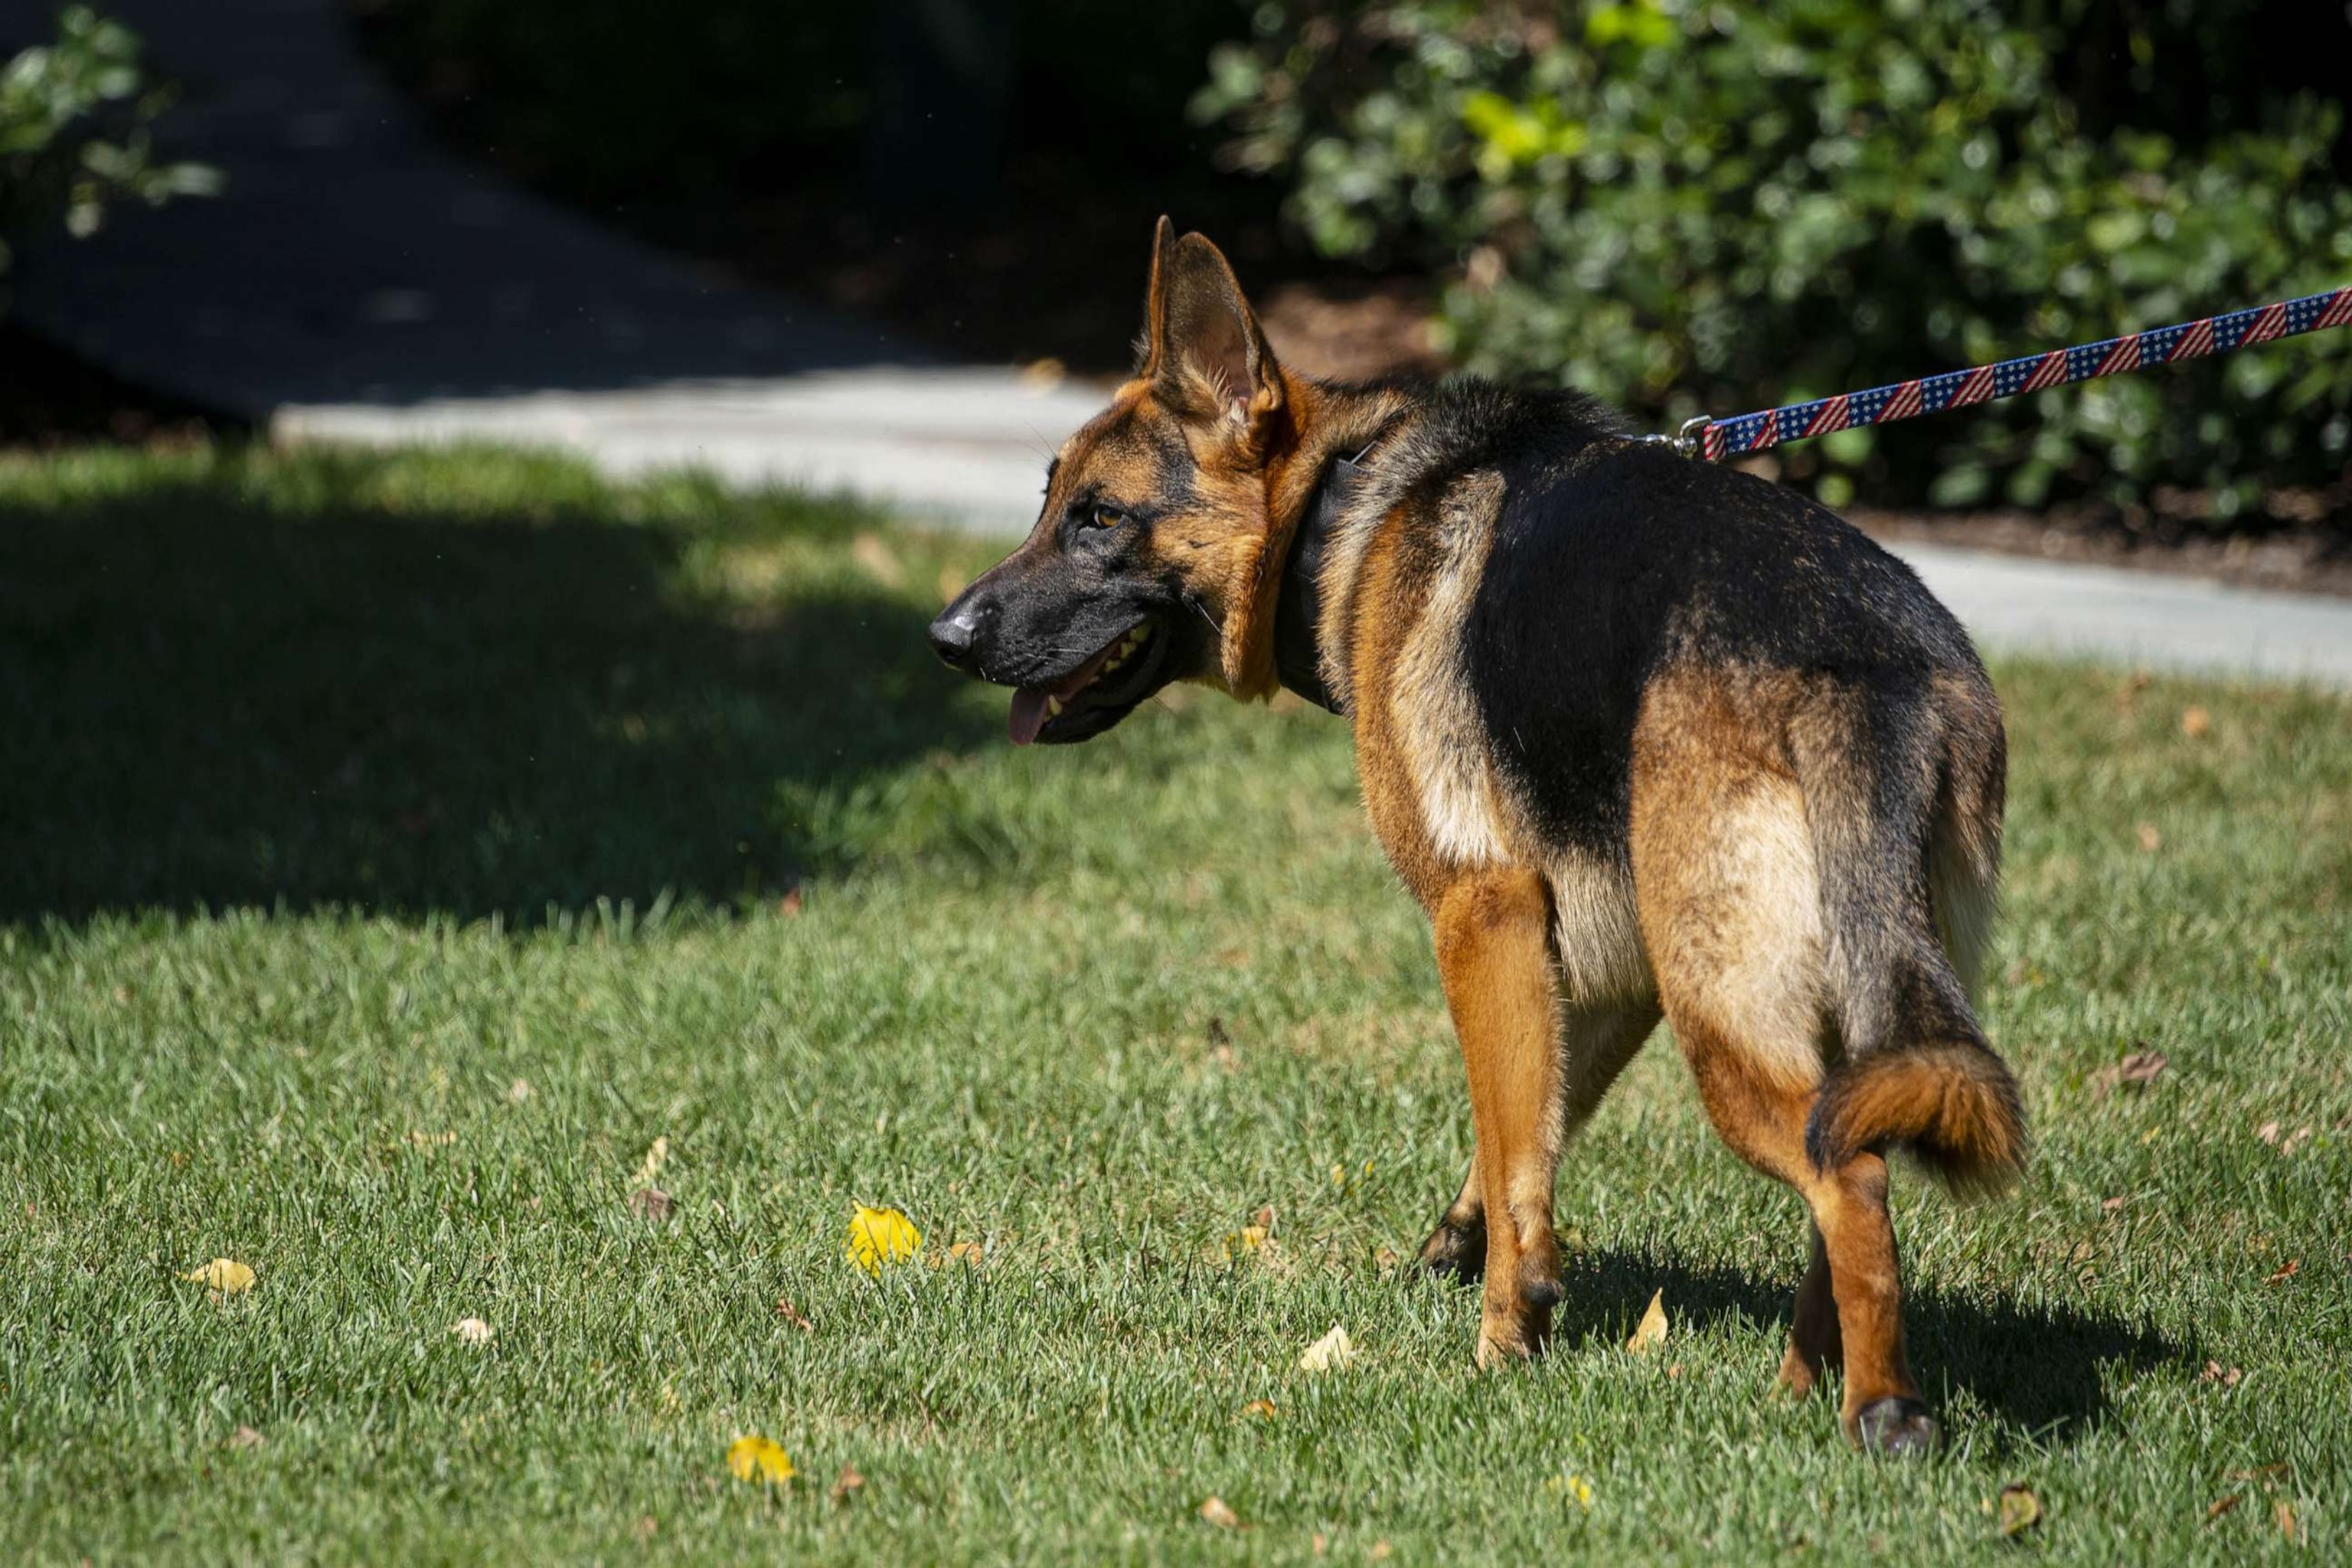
[952, 634]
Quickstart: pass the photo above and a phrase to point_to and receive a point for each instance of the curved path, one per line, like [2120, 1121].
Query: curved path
[355, 282]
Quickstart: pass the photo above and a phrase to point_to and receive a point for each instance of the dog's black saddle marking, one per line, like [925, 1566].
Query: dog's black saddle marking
[1299, 608]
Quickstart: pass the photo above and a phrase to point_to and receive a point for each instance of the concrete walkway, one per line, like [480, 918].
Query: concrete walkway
[356, 283]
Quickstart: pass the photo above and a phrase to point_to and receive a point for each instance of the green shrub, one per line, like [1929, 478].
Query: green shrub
[1688, 207]
[74, 132]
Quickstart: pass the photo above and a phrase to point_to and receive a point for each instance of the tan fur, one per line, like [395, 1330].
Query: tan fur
[1436, 717]
[1723, 864]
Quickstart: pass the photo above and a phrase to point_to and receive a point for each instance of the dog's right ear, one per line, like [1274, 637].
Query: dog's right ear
[1152, 348]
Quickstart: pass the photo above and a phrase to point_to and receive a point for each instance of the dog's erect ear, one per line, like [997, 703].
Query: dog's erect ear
[1151, 349]
[1205, 353]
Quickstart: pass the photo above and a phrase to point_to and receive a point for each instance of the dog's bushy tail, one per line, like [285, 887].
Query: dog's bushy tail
[1953, 1104]
[1917, 1073]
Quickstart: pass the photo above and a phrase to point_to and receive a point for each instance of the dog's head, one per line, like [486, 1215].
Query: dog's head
[1146, 565]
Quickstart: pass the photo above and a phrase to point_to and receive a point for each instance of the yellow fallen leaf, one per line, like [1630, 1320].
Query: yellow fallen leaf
[473, 1332]
[878, 1237]
[2019, 1508]
[1263, 1409]
[657, 1157]
[1650, 1331]
[1216, 1511]
[1332, 1352]
[225, 1274]
[754, 1458]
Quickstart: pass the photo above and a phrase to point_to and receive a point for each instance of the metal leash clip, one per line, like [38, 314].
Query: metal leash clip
[1685, 440]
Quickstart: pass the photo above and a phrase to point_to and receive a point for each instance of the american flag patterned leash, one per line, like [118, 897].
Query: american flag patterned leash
[1716, 439]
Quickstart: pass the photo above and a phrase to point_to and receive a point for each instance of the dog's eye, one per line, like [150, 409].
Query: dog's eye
[1104, 517]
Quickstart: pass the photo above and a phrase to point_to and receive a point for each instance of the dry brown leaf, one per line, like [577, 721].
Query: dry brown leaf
[2111, 1206]
[2285, 1514]
[652, 1205]
[2226, 1376]
[518, 1091]
[2140, 1069]
[2295, 1140]
[969, 1252]
[2268, 1132]
[1650, 1331]
[1333, 1352]
[2019, 1508]
[1381, 1551]
[1264, 1410]
[246, 1438]
[1217, 1512]
[2195, 721]
[794, 1315]
[2222, 1505]
[2286, 1272]
[848, 1481]
[2261, 1472]
[473, 1332]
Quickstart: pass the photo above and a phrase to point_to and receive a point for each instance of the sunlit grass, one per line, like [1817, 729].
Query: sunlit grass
[399, 845]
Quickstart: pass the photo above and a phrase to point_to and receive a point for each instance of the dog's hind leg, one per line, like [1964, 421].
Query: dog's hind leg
[1493, 955]
[1456, 1250]
[1728, 884]
[1814, 1344]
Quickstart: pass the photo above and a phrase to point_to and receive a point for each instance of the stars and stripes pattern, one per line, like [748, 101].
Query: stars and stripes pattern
[1747, 432]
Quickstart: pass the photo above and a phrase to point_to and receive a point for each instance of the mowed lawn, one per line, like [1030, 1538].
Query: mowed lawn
[405, 859]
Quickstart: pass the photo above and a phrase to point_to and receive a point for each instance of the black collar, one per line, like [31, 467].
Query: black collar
[1299, 608]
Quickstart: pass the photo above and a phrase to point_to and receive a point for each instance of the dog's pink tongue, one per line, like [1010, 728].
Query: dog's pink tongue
[1028, 717]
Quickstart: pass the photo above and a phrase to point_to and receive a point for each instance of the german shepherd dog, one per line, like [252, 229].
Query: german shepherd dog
[1646, 737]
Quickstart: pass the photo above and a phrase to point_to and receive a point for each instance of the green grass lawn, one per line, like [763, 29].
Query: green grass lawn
[394, 850]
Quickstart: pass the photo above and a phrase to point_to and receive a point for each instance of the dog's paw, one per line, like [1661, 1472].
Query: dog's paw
[1898, 1429]
[1799, 1375]
[1455, 1253]
[1512, 1331]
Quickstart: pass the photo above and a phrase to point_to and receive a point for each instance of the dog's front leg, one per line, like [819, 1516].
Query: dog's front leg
[1493, 955]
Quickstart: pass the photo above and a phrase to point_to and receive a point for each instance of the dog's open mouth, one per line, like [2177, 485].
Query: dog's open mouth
[1093, 696]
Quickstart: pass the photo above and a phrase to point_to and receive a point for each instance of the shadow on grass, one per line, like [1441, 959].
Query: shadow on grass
[206, 701]
[2035, 1370]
